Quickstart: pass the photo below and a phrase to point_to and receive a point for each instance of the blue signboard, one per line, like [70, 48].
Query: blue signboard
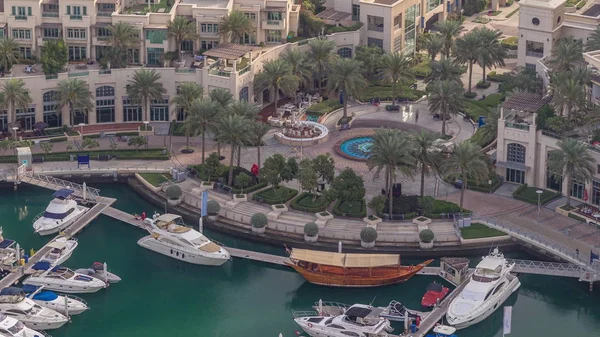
[83, 159]
[481, 121]
[203, 211]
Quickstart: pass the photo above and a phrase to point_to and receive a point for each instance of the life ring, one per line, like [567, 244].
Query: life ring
[310, 325]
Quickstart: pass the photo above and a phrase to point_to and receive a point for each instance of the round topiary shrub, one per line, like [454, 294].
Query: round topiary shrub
[259, 220]
[311, 229]
[174, 192]
[213, 207]
[368, 234]
[426, 235]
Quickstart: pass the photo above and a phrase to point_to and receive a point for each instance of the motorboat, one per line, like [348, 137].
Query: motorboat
[359, 320]
[99, 271]
[395, 311]
[14, 303]
[488, 287]
[12, 327]
[65, 304]
[61, 249]
[9, 256]
[60, 213]
[434, 295]
[63, 279]
[170, 236]
[443, 331]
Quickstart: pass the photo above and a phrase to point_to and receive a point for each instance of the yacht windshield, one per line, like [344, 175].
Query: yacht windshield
[16, 328]
[51, 215]
[471, 295]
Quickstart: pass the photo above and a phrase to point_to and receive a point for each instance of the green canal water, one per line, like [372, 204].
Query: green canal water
[164, 297]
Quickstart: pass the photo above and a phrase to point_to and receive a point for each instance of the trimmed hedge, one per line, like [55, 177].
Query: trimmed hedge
[311, 229]
[304, 203]
[259, 220]
[368, 234]
[470, 95]
[57, 139]
[384, 93]
[324, 107]
[342, 208]
[269, 197]
[483, 85]
[577, 217]
[426, 235]
[472, 185]
[250, 189]
[528, 194]
[149, 154]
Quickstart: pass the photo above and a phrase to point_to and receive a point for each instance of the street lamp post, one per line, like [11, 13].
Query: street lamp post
[15, 128]
[539, 193]
[81, 128]
[146, 132]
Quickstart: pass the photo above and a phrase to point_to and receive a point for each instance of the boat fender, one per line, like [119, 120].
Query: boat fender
[310, 325]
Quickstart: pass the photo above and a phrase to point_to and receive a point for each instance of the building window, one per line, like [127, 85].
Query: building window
[534, 49]
[373, 42]
[397, 44]
[208, 44]
[52, 33]
[77, 53]
[530, 66]
[515, 153]
[25, 118]
[345, 52]
[105, 110]
[410, 31]
[104, 32]
[433, 4]
[133, 56]
[273, 36]
[515, 176]
[248, 39]
[101, 51]
[209, 28]
[76, 33]
[274, 16]
[79, 117]
[355, 12]
[105, 91]
[132, 112]
[250, 15]
[22, 34]
[577, 189]
[159, 110]
[375, 23]
[156, 35]
[181, 115]
[3, 120]
[187, 45]
[106, 7]
[25, 52]
[154, 56]
[553, 181]
[398, 21]
[52, 115]
[244, 94]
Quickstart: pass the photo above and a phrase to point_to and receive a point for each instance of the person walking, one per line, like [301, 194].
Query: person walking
[416, 116]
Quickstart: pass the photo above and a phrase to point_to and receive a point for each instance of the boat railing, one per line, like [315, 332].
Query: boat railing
[76, 298]
[342, 306]
[304, 313]
[38, 216]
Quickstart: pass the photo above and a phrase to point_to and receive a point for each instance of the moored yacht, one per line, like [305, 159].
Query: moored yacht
[11, 327]
[8, 251]
[171, 237]
[61, 250]
[63, 279]
[65, 304]
[489, 286]
[13, 302]
[100, 271]
[60, 213]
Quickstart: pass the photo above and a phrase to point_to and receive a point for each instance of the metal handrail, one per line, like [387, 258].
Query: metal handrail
[61, 182]
[304, 313]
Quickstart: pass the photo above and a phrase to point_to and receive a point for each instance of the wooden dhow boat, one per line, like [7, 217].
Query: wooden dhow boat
[351, 270]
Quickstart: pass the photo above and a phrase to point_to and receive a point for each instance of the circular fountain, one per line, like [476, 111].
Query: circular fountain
[303, 133]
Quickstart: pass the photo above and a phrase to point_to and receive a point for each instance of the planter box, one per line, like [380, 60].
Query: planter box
[426, 245]
[562, 211]
[421, 221]
[372, 223]
[367, 244]
[174, 202]
[212, 217]
[258, 230]
[79, 137]
[147, 184]
[311, 239]
[206, 185]
[231, 204]
[322, 219]
[240, 197]
[141, 131]
[279, 208]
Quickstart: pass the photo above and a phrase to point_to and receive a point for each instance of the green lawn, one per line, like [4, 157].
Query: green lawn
[529, 194]
[354, 209]
[304, 202]
[278, 195]
[324, 107]
[478, 231]
[156, 179]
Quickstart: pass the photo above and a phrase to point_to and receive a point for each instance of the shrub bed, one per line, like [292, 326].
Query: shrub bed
[353, 209]
[57, 139]
[474, 186]
[273, 196]
[529, 194]
[155, 179]
[249, 189]
[577, 217]
[422, 69]
[324, 107]
[478, 230]
[149, 154]
[384, 93]
[511, 43]
[483, 85]
[470, 95]
[407, 206]
[304, 202]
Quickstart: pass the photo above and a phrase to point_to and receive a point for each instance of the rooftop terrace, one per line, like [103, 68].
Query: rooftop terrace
[207, 3]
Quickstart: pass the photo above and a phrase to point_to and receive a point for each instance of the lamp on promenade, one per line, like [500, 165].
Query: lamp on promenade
[15, 128]
[81, 128]
[146, 132]
[539, 193]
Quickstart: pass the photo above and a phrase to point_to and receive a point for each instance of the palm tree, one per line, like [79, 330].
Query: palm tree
[15, 96]
[490, 129]
[187, 93]
[396, 68]
[391, 151]
[433, 44]
[222, 96]
[123, 37]
[144, 86]
[276, 75]
[448, 29]
[593, 42]
[571, 160]
[298, 63]
[235, 25]
[181, 29]
[232, 130]
[426, 154]
[245, 109]
[322, 57]
[568, 92]
[493, 52]
[468, 51]
[445, 69]
[258, 130]
[9, 52]
[202, 117]
[346, 78]
[470, 163]
[446, 98]
[567, 52]
[76, 95]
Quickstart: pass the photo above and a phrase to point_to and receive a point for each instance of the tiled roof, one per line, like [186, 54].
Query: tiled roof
[525, 101]
[230, 51]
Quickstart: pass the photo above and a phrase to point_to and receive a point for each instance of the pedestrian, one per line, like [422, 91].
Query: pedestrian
[143, 216]
[416, 115]
[577, 252]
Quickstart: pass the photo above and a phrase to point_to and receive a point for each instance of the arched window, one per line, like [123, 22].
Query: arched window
[515, 153]
[345, 52]
[105, 91]
[244, 94]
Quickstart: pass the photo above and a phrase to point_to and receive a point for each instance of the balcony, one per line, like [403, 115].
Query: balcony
[21, 17]
[375, 28]
[273, 24]
[185, 70]
[519, 126]
[221, 73]
[76, 17]
[534, 54]
[104, 14]
[50, 14]
[79, 74]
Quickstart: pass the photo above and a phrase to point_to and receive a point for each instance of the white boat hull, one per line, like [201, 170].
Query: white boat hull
[67, 289]
[42, 225]
[42, 325]
[75, 307]
[156, 246]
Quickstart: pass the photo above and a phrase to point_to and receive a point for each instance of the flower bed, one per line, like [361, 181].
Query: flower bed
[304, 202]
[273, 196]
[354, 209]
[529, 194]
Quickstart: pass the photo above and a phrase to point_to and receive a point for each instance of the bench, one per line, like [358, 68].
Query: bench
[37, 159]
[104, 157]
[108, 134]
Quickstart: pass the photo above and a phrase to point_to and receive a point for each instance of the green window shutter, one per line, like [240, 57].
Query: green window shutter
[84, 10]
[14, 10]
[68, 10]
[29, 11]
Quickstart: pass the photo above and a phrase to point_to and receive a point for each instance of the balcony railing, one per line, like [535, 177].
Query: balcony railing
[50, 14]
[245, 70]
[76, 17]
[52, 76]
[185, 70]
[376, 28]
[79, 74]
[220, 73]
[517, 126]
[104, 71]
[20, 17]
[273, 22]
[104, 14]
[49, 38]
[534, 54]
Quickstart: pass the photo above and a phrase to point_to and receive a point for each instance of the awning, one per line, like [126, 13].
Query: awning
[275, 9]
[62, 194]
[102, 24]
[57, 245]
[50, 25]
[513, 165]
[230, 51]
[345, 260]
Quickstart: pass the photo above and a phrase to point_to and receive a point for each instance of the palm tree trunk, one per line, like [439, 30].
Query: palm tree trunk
[276, 99]
[394, 93]
[422, 179]
[345, 97]
[462, 190]
[390, 197]
[483, 66]
[187, 142]
[258, 153]
[470, 75]
[239, 156]
[72, 118]
[203, 144]
[178, 45]
[230, 178]
[569, 187]
[444, 124]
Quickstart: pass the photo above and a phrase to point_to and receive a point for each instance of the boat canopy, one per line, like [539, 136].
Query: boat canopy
[490, 263]
[57, 244]
[167, 217]
[363, 311]
[41, 266]
[10, 291]
[29, 288]
[345, 260]
[433, 286]
[6, 243]
[62, 193]
[45, 295]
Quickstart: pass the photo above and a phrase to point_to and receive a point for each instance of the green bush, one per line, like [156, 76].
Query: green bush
[259, 220]
[511, 43]
[278, 195]
[368, 234]
[384, 93]
[250, 189]
[483, 85]
[422, 69]
[213, 207]
[311, 229]
[57, 139]
[577, 217]
[478, 230]
[174, 192]
[324, 107]
[426, 235]
[470, 95]
[352, 209]
[529, 194]
[304, 202]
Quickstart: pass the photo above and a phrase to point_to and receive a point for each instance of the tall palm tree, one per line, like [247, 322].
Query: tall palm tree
[493, 52]
[232, 130]
[571, 160]
[181, 29]
[433, 44]
[235, 25]
[298, 63]
[9, 52]
[490, 129]
[245, 109]
[258, 130]
[346, 78]
[15, 96]
[446, 98]
[568, 92]
[276, 75]
[566, 54]
[187, 93]
[445, 69]
[322, 57]
[202, 117]
[426, 154]
[391, 152]
[468, 160]
[123, 37]
[449, 30]
[370, 56]
[76, 95]
[144, 86]
[222, 96]
[396, 68]
[468, 51]
[593, 42]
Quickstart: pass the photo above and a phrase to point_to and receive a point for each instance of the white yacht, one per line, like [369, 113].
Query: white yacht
[65, 304]
[63, 279]
[170, 236]
[14, 303]
[60, 213]
[11, 327]
[61, 249]
[489, 286]
[100, 271]
[8, 251]
[359, 321]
